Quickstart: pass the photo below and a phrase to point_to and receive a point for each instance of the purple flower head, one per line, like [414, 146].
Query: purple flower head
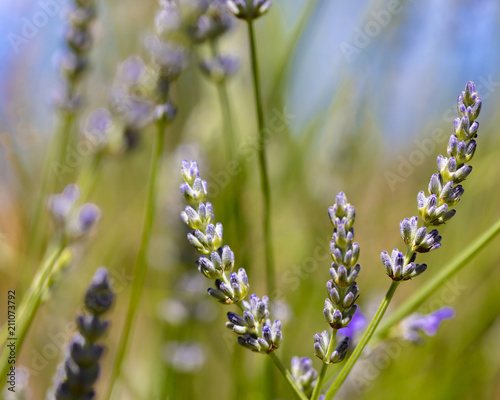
[88, 216]
[168, 20]
[357, 323]
[216, 21]
[80, 369]
[417, 324]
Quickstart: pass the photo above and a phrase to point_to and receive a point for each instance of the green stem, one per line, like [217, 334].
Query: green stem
[444, 274]
[88, 176]
[342, 376]
[288, 376]
[262, 162]
[324, 367]
[29, 307]
[47, 185]
[225, 110]
[140, 267]
[234, 201]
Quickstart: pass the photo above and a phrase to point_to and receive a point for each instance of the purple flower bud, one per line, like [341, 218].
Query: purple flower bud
[88, 216]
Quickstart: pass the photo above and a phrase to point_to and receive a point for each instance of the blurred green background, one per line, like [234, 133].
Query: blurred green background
[364, 121]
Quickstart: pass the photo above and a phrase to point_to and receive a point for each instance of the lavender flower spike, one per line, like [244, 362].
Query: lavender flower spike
[81, 366]
[342, 288]
[74, 62]
[255, 328]
[444, 192]
[206, 238]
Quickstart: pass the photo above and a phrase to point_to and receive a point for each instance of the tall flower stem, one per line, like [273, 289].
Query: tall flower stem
[262, 162]
[88, 178]
[29, 306]
[288, 376]
[47, 185]
[140, 268]
[324, 367]
[422, 294]
[291, 47]
[264, 178]
[342, 376]
[234, 204]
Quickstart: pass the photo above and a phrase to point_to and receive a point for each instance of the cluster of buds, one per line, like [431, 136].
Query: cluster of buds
[140, 93]
[444, 192]
[321, 344]
[166, 49]
[131, 92]
[399, 267]
[304, 374]
[214, 22]
[72, 220]
[249, 9]
[75, 62]
[342, 288]
[256, 330]
[206, 238]
[81, 366]
[444, 188]
[210, 26]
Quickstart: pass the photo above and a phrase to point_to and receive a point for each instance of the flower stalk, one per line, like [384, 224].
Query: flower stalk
[80, 370]
[264, 176]
[342, 289]
[445, 191]
[447, 272]
[140, 266]
[342, 376]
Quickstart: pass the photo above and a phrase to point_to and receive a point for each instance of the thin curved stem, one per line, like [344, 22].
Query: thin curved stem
[288, 376]
[324, 367]
[88, 178]
[342, 376]
[47, 184]
[266, 191]
[234, 202]
[29, 307]
[444, 274]
[140, 267]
